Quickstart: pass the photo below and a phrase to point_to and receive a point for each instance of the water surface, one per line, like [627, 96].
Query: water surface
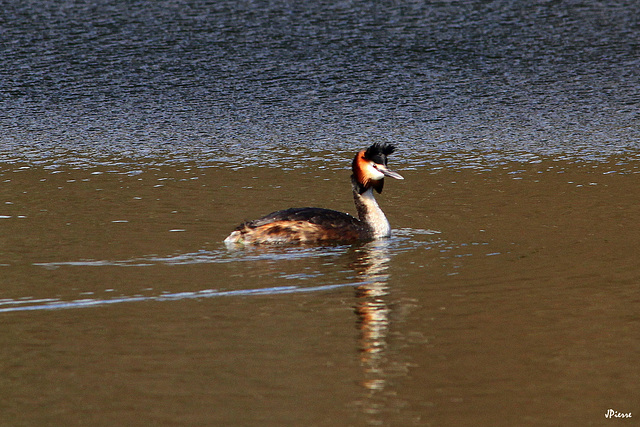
[136, 135]
[231, 80]
[505, 295]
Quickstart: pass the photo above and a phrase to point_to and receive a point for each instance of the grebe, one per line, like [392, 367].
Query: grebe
[308, 225]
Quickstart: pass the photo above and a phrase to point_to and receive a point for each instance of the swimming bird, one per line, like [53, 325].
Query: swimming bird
[317, 225]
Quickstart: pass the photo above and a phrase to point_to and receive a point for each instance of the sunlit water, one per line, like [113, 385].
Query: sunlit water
[492, 275]
[399, 242]
[137, 135]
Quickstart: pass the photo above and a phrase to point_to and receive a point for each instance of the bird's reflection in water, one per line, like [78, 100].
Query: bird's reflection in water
[371, 264]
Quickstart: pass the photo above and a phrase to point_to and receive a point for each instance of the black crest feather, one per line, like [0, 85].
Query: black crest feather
[378, 152]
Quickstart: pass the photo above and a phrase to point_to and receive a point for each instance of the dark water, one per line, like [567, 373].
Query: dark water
[135, 135]
[240, 81]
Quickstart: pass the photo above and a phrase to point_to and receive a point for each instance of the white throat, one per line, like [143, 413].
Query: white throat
[370, 213]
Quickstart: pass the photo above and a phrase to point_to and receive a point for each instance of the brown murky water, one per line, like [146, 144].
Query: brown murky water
[508, 295]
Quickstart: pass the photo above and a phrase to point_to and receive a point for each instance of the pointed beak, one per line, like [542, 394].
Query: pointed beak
[388, 172]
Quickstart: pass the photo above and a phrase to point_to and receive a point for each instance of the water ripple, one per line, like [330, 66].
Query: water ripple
[249, 254]
[53, 304]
